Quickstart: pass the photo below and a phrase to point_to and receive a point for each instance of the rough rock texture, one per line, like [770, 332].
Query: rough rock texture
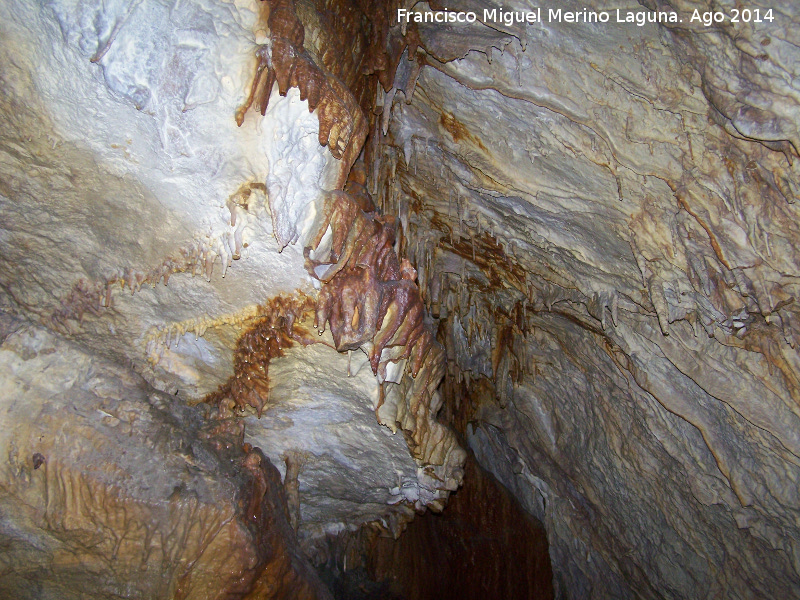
[600, 219]
[604, 219]
[109, 489]
[141, 223]
[314, 415]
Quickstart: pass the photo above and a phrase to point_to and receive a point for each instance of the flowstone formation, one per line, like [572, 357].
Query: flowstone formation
[575, 243]
[84, 511]
[175, 230]
[604, 222]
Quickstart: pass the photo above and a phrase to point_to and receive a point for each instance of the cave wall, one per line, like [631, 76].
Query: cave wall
[603, 217]
[115, 490]
[494, 549]
[153, 223]
[598, 221]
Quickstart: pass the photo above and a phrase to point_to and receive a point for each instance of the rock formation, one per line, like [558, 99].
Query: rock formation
[268, 268]
[614, 255]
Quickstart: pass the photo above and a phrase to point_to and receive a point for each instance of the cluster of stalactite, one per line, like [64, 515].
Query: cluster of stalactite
[707, 279]
[341, 90]
[474, 286]
[368, 297]
[342, 126]
[371, 301]
[277, 329]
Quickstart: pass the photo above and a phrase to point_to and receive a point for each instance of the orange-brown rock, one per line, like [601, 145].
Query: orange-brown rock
[111, 488]
[342, 124]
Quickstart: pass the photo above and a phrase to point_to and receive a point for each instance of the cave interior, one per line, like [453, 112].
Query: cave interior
[388, 299]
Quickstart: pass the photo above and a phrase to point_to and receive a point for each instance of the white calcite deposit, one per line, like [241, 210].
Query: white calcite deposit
[140, 222]
[603, 223]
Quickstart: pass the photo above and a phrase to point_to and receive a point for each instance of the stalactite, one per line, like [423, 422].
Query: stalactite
[94, 296]
[370, 301]
[276, 329]
[196, 258]
[342, 125]
[295, 461]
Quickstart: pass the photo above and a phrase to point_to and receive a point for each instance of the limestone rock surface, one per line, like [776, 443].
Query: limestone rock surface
[604, 220]
[598, 221]
[141, 222]
[110, 491]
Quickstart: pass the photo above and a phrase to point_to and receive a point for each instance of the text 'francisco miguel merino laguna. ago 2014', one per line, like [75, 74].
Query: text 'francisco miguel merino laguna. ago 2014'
[558, 15]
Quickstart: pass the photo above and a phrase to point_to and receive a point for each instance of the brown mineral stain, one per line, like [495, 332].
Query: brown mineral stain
[277, 328]
[458, 131]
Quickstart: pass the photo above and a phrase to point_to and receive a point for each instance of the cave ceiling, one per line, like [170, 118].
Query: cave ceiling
[270, 270]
